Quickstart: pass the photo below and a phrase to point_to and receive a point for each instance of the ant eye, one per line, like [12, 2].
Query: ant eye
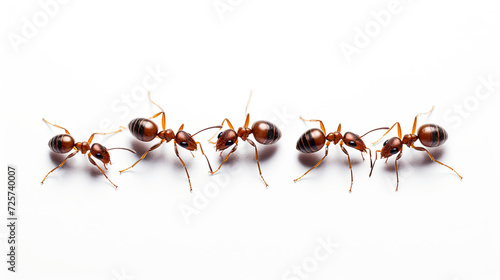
[218, 136]
[352, 143]
[98, 155]
[183, 144]
[385, 142]
[229, 143]
[394, 151]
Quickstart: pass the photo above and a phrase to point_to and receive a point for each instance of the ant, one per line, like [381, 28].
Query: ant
[430, 135]
[146, 130]
[64, 143]
[314, 139]
[264, 132]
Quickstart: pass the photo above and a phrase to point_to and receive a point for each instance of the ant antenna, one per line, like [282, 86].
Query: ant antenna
[373, 131]
[217, 126]
[126, 149]
[149, 95]
[248, 102]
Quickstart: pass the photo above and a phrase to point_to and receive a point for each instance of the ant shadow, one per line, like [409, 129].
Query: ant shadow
[57, 159]
[419, 158]
[141, 147]
[310, 159]
[264, 152]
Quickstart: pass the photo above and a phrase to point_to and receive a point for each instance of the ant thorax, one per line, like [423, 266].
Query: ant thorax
[409, 139]
[334, 137]
[244, 132]
[83, 147]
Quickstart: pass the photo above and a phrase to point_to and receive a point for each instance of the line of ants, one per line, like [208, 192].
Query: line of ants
[264, 132]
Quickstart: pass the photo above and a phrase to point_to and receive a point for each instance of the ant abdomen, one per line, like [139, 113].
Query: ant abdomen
[143, 129]
[311, 141]
[432, 135]
[61, 143]
[265, 132]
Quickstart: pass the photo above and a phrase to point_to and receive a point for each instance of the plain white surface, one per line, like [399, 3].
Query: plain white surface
[82, 69]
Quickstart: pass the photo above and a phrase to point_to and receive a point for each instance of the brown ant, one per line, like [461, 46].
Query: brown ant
[430, 135]
[264, 132]
[146, 130]
[314, 139]
[63, 143]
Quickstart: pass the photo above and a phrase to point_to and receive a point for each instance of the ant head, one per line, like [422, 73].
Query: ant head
[185, 140]
[391, 147]
[166, 134]
[244, 132]
[83, 147]
[226, 139]
[101, 153]
[354, 141]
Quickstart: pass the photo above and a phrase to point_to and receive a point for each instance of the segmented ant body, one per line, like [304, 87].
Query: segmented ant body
[314, 139]
[430, 135]
[264, 132]
[64, 143]
[146, 130]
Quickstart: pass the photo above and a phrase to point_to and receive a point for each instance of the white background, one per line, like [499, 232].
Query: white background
[84, 67]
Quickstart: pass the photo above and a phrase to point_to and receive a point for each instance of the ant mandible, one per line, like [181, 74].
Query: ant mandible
[314, 139]
[264, 132]
[146, 130]
[430, 135]
[64, 143]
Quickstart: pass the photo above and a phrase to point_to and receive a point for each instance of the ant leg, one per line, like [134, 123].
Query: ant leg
[201, 149]
[144, 155]
[163, 122]
[399, 132]
[181, 127]
[102, 133]
[228, 123]
[156, 115]
[362, 156]
[373, 165]
[257, 159]
[415, 121]
[348, 160]
[62, 163]
[93, 162]
[183, 164]
[396, 167]
[317, 164]
[227, 156]
[432, 158]
[247, 121]
[370, 153]
[67, 132]
[320, 123]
